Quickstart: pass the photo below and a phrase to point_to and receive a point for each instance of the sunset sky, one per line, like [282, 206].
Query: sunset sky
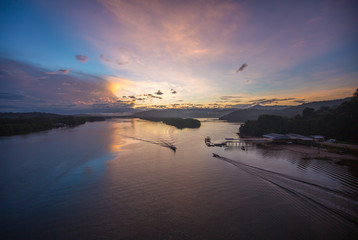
[111, 56]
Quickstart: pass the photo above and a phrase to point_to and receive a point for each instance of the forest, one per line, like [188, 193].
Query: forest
[23, 123]
[176, 122]
[340, 123]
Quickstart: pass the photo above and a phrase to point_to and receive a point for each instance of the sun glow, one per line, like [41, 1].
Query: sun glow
[120, 86]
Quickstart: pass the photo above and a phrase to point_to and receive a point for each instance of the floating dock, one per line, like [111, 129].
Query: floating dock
[235, 142]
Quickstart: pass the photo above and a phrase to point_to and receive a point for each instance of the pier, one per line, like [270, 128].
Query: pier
[236, 142]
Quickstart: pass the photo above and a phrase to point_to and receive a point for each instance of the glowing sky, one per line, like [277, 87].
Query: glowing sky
[110, 56]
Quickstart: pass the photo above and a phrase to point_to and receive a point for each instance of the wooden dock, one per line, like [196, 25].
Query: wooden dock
[239, 142]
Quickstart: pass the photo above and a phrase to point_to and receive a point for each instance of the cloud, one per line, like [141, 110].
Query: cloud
[81, 58]
[158, 92]
[11, 96]
[64, 71]
[141, 97]
[109, 61]
[104, 58]
[270, 101]
[162, 39]
[29, 88]
[149, 96]
[122, 63]
[300, 101]
[172, 91]
[176, 42]
[230, 98]
[242, 67]
[60, 71]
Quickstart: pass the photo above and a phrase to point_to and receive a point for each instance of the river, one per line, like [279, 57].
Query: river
[118, 179]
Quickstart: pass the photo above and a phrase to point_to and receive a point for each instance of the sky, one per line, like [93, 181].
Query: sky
[115, 56]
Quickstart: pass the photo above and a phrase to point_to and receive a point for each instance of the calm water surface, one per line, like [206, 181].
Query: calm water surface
[119, 180]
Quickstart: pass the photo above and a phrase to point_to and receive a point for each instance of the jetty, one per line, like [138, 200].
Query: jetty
[236, 142]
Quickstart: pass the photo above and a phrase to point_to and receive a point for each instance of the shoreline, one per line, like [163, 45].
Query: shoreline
[336, 154]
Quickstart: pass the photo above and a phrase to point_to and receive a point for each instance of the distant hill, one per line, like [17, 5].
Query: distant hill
[184, 113]
[253, 113]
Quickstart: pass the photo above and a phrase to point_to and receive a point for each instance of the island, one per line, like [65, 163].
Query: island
[179, 123]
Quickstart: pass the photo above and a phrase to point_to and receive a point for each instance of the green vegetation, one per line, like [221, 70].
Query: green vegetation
[176, 122]
[23, 123]
[340, 122]
[253, 113]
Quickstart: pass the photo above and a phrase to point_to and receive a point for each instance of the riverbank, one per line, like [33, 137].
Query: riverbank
[337, 153]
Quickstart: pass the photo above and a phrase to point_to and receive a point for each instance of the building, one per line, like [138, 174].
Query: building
[297, 138]
[293, 137]
[275, 137]
[317, 138]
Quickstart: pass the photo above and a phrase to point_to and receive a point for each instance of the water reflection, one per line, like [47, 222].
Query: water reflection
[115, 179]
[118, 142]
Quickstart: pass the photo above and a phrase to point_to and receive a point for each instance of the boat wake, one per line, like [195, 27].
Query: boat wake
[163, 143]
[341, 204]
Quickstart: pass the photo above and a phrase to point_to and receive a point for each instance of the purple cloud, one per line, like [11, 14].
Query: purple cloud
[104, 58]
[25, 87]
[122, 63]
[82, 58]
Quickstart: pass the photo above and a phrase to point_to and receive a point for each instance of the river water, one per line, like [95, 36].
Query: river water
[118, 179]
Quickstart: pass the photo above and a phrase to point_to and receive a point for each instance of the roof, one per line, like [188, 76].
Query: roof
[316, 136]
[298, 136]
[276, 136]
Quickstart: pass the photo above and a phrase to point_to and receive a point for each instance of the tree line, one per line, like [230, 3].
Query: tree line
[18, 123]
[176, 122]
[339, 123]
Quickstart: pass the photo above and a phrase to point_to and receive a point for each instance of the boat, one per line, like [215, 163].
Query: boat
[215, 155]
[219, 144]
[232, 139]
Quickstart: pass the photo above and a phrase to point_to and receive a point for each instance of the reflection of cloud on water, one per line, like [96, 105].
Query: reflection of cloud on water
[119, 141]
[125, 133]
